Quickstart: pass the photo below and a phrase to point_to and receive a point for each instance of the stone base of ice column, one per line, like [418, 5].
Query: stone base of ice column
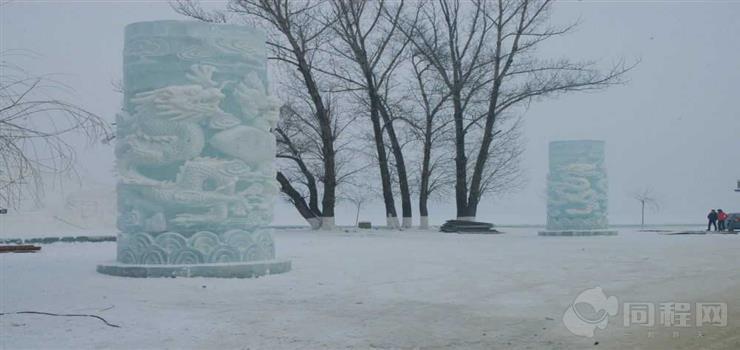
[248, 269]
[572, 233]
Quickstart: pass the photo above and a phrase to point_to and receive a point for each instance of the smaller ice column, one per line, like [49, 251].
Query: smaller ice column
[577, 189]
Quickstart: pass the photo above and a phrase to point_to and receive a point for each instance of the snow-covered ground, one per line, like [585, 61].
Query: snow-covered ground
[380, 290]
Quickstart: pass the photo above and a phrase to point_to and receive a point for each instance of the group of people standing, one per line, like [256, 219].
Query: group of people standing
[717, 219]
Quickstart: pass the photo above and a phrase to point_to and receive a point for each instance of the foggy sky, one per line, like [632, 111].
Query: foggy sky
[674, 127]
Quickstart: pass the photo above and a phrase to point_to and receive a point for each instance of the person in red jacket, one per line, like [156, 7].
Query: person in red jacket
[721, 217]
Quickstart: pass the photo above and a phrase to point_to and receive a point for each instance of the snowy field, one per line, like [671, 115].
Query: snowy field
[380, 290]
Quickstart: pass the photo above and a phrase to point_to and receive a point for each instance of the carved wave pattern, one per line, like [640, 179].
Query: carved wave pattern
[153, 46]
[171, 248]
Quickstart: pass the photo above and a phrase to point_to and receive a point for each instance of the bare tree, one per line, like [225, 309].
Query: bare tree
[295, 145]
[369, 46]
[295, 37]
[485, 53]
[36, 131]
[193, 9]
[647, 199]
[432, 128]
[358, 193]
[301, 159]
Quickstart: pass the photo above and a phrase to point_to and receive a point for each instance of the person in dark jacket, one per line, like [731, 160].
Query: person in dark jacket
[721, 218]
[712, 220]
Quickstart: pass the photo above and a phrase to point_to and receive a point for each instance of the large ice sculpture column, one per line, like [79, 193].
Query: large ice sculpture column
[195, 155]
[577, 190]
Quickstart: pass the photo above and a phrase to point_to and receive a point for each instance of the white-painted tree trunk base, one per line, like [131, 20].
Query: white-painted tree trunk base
[392, 222]
[424, 222]
[407, 222]
[315, 223]
[466, 218]
[327, 223]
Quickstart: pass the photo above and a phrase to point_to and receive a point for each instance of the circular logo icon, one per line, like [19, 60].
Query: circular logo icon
[590, 310]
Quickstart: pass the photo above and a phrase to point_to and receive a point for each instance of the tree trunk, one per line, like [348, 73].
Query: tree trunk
[403, 181]
[423, 210]
[348, 26]
[476, 185]
[461, 161]
[423, 200]
[357, 215]
[392, 222]
[425, 175]
[424, 222]
[327, 138]
[330, 183]
[385, 176]
[327, 223]
[313, 191]
[298, 201]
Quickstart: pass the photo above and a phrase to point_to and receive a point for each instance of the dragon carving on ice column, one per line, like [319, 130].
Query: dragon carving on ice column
[577, 186]
[195, 153]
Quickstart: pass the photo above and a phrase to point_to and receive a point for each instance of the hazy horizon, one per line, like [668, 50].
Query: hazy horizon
[674, 127]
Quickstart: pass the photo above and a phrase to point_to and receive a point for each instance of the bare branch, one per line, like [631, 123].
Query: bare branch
[34, 132]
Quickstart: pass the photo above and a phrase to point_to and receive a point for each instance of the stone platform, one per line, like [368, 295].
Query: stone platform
[464, 226]
[578, 233]
[224, 270]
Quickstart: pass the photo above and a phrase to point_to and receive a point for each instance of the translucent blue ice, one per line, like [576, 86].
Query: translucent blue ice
[195, 156]
[577, 186]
